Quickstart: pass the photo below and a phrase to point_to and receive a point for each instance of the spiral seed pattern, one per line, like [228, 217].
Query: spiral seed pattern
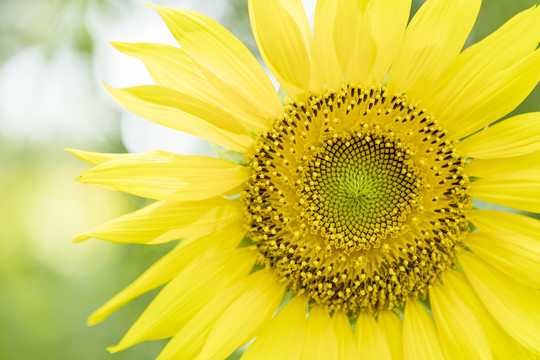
[359, 187]
[357, 199]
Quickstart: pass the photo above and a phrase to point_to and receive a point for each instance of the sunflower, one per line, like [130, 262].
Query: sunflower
[339, 223]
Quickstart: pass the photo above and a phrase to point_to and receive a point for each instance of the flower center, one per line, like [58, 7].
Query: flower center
[357, 200]
[358, 187]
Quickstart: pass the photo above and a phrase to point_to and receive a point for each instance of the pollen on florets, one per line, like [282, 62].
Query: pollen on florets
[357, 199]
[358, 187]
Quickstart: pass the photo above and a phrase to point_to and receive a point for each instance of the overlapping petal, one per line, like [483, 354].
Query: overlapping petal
[499, 221]
[420, 341]
[519, 189]
[189, 341]
[489, 98]
[184, 112]
[283, 337]
[187, 293]
[169, 266]
[474, 91]
[164, 221]
[516, 255]
[370, 339]
[284, 38]
[241, 321]
[499, 166]
[460, 333]
[516, 136]
[171, 67]
[388, 20]
[391, 327]
[347, 348]
[224, 61]
[95, 158]
[163, 175]
[515, 306]
[433, 39]
[503, 346]
[326, 71]
[354, 41]
[321, 342]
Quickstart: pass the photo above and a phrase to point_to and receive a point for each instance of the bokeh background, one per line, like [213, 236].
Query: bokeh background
[54, 56]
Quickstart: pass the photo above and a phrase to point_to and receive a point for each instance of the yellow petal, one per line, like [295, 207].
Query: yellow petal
[433, 39]
[511, 42]
[187, 293]
[168, 65]
[391, 327]
[184, 112]
[487, 167]
[503, 346]
[344, 334]
[189, 341]
[95, 158]
[370, 339]
[169, 266]
[168, 176]
[388, 20]
[468, 79]
[494, 221]
[224, 61]
[283, 337]
[163, 221]
[516, 136]
[460, 333]
[326, 70]
[516, 255]
[354, 43]
[490, 97]
[243, 318]
[514, 305]
[520, 189]
[171, 67]
[420, 340]
[321, 342]
[284, 37]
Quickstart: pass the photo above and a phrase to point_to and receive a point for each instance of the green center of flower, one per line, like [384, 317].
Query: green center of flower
[357, 200]
[358, 187]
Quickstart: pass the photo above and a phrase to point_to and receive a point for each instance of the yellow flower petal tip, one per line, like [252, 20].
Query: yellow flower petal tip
[107, 87]
[113, 349]
[120, 46]
[355, 195]
[93, 319]
[80, 238]
[80, 154]
[159, 8]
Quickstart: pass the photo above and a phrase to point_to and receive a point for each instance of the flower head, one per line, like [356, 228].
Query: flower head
[355, 208]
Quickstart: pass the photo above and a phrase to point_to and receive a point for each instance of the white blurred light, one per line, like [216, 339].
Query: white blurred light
[41, 98]
[118, 70]
[140, 135]
[143, 24]
[309, 7]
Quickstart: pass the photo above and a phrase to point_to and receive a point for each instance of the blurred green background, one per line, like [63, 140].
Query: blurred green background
[54, 54]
